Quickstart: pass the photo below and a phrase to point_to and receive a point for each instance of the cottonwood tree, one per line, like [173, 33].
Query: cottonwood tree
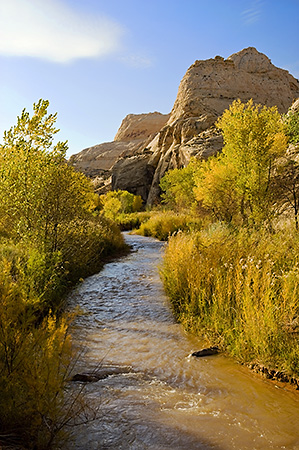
[291, 120]
[118, 202]
[215, 188]
[253, 139]
[286, 179]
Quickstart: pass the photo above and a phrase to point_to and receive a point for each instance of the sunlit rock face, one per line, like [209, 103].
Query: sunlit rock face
[207, 89]
[155, 143]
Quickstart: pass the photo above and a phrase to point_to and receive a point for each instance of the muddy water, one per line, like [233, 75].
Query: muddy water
[163, 398]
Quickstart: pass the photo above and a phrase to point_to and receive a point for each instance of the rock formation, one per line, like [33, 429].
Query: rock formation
[206, 90]
[135, 131]
[145, 148]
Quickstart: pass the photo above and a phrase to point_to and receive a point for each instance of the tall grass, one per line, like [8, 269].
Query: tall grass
[239, 290]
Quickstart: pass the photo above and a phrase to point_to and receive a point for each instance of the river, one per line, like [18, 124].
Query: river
[160, 396]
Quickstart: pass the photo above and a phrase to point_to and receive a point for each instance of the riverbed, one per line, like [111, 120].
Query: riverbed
[160, 396]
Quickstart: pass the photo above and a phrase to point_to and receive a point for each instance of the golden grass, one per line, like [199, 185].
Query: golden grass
[239, 290]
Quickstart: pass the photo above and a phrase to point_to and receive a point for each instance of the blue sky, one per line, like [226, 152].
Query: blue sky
[97, 61]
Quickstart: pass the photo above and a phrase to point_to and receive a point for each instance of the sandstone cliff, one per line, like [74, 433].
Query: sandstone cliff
[206, 90]
[135, 132]
[145, 148]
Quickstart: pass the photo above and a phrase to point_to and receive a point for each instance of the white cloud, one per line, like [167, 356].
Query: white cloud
[53, 31]
[136, 61]
[253, 14]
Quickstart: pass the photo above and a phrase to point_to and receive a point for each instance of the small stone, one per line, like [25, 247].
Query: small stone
[85, 377]
[206, 352]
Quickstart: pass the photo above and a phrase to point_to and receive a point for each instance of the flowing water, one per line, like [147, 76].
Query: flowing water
[160, 397]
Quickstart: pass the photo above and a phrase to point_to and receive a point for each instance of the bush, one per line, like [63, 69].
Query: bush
[87, 245]
[132, 221]
[163, 224]
[35, 362]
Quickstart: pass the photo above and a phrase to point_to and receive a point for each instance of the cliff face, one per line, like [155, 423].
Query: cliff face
[146, 146]
[210, 86]
[207, 89]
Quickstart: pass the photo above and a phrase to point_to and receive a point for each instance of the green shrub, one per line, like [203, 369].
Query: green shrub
[132, 221]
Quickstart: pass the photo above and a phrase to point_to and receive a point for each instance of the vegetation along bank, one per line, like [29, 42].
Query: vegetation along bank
[51, 235]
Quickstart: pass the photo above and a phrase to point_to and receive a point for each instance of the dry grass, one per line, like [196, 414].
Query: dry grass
[240, 290]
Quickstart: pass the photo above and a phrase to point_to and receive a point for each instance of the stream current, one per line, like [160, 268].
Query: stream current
[161, 397]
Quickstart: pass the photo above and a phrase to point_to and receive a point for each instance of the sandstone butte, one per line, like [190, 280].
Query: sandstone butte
[147, 145]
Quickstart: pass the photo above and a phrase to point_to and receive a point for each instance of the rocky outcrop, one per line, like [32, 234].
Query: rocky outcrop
[134, 174]
[140, 126]
[210, 86]
[134, 133]
[146, 146]
[295, 106]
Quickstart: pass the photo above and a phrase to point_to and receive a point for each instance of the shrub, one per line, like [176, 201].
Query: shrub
[35, 361]
[132, 221]
[163, 224]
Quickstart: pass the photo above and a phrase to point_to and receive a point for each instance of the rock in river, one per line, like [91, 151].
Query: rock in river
[206, 352]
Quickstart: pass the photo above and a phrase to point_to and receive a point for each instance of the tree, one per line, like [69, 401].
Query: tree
[118, 202]
[253, 139]
[39, 193]
[286, 183]
[292, 125]
[286, 179]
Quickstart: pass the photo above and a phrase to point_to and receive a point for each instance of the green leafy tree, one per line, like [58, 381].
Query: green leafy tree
[120, 202]
[22, 161]
[292, 126]
[39, 193]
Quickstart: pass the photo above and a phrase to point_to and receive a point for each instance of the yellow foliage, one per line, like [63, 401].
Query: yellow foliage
[215, 188]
